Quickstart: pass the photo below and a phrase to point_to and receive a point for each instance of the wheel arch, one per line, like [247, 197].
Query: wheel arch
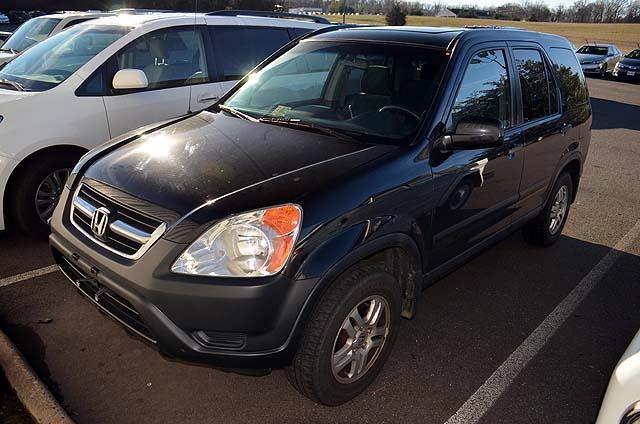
[574, 168]
[24, 164]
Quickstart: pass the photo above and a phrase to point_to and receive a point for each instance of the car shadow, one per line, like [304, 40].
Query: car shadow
[609, 114]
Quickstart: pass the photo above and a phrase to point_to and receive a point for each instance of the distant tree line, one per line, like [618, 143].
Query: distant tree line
[595, 11]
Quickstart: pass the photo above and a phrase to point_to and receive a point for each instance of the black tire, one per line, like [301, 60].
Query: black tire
[539, 230]
[22, 201]
[311, 371]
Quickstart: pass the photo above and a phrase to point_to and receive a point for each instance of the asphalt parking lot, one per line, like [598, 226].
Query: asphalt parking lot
[471, 327]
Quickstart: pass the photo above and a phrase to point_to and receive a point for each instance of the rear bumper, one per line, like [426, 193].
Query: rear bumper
[241, 323]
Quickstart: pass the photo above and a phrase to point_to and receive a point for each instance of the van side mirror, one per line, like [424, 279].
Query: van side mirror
[475, 132]
[130, 79]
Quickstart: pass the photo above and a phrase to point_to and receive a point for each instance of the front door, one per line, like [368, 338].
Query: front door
[477, 188]
[174, 61]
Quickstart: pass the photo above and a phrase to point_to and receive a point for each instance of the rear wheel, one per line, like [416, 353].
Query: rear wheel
[348, 337]
[545, 229]
[37, 192]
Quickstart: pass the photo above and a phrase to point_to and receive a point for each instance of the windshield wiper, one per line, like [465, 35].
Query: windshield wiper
[296, 123]
[237, 113]
[12, 51]
[16, 85]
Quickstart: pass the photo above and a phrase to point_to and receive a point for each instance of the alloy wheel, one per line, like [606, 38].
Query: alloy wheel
[558, 209]
[360, 339]
[48, 193]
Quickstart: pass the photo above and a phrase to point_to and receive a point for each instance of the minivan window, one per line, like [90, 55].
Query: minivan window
[485, 90]
[374, 92]
[52, 61]
[240, 49]
[169, 58]
[31, 32]
[572, 83]
[539, 98]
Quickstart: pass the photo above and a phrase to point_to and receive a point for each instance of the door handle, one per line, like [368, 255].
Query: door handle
[565, 128]
[205, 99]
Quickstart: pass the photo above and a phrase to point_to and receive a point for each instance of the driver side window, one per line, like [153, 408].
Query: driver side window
[485, 89]
[169, 58]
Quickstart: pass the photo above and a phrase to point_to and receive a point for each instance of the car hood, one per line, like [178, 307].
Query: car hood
[208, 156]
[582, 57]
[630, 62]
[6, 56]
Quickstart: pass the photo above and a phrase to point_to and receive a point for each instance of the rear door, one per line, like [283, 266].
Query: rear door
[174, 60]
[541, 123]
[238, 49]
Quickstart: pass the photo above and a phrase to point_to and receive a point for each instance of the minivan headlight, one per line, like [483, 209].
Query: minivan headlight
[251, 244]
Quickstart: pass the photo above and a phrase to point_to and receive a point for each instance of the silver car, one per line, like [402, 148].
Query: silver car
[598, 58]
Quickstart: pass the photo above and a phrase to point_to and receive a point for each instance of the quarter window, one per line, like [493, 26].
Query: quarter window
[539, 92]
[240, 49]
[572, 84]
[169, 58]
[485, 89]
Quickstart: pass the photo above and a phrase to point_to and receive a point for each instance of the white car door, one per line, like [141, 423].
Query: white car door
[173, 61]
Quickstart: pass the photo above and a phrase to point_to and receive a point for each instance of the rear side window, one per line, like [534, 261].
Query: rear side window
[539, 92]
[485, 89]
[572, 83]
[240, 49]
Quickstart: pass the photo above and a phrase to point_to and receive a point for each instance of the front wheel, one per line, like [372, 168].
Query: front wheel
[348, 337]
[37, 192]
[545, 229]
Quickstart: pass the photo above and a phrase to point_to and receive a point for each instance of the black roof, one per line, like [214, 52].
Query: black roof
[439, 37]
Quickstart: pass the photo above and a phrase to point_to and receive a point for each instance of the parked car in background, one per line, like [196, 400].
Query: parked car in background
[629, 66]
[621, 404]
[598, 58]
[17, 17]
[36, 13]
[295, 221]
[40, 28]
[103, 78]
[4, 19]
[3, 37]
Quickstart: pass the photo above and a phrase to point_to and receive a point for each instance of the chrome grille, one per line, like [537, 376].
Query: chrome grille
[129, 232]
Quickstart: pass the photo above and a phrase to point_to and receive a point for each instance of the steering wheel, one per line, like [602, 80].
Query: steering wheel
[400, 108]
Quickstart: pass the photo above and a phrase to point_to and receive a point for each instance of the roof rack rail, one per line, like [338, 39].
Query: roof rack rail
[267, 14]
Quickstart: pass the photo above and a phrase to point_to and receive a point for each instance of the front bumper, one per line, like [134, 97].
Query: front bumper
[590, 68]
[240, 323]
[626, 74]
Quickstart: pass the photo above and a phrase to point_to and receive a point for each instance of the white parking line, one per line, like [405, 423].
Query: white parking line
[483, 399]
[28, 275]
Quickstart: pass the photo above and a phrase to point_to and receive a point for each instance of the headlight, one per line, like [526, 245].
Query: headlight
[252, 244]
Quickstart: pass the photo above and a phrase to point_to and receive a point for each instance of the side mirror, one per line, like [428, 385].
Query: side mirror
[475, 132]
[130, 79]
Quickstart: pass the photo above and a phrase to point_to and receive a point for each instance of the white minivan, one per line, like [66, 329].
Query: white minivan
[102, 78]
[37, 29]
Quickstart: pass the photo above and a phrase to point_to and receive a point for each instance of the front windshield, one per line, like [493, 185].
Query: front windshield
[54, 60]
[596, 50]
[31, 32]
[374, 92]
[634, 54]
